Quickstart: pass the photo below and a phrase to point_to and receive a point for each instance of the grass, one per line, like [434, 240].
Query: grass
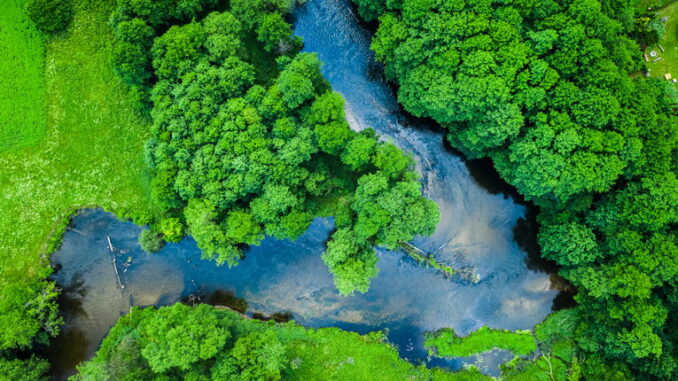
[90, 154]
[669, 62]
[446, 343]
[557, 358]
[22, 88]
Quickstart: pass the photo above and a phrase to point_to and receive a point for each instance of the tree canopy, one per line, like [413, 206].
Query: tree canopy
[238, 152]
[548, 91]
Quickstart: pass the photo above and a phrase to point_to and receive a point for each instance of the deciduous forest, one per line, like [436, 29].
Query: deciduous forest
[548, 91]
[205, 118]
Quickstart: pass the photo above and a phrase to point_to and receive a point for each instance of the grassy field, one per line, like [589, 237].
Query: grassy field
[22, 88]
[90, 154]
[446, 343]
[669, 61]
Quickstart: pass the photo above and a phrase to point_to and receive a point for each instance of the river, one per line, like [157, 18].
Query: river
[480, 227]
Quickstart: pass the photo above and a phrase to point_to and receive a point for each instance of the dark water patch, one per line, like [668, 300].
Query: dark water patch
[226, 298]
[564, 300]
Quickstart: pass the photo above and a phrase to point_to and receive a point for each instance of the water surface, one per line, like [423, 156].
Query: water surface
[476, 229]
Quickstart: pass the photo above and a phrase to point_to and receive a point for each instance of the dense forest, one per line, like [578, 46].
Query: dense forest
[248, 139]
[548, 90]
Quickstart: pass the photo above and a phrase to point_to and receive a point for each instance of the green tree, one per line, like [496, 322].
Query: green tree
[257, 356]
[172, 229]
[150, 241]
[274, 32]
[180, 336]
[32, 369]
[50, 16]
[351, 261]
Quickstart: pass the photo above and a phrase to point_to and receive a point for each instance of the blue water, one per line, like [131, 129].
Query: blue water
[406, 299]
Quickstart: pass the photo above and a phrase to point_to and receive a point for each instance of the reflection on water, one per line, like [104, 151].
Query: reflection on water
[476, 229]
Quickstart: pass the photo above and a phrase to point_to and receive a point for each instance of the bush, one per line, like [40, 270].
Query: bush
[151, 241]
[171, 229]
[50, 16]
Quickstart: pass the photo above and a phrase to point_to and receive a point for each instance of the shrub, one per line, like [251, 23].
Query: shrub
[171, 229]
[50, 16]
[150, 241]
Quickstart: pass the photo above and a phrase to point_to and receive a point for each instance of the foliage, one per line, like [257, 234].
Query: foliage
[171, 228]
[370, 10]
[150, 241]
[180, 336]
[50, 16]
[237, 155]
[22, 88]
[32, 369]
[546, 90]
[514, 84]
[446, 343]
[91, 154]
[252, 350]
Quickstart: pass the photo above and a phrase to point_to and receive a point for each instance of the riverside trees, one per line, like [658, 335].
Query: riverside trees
[206, 343]
[239, 150]
[545, 90]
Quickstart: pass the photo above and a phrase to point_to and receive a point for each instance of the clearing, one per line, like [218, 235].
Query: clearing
[90, 153]
[669, 58]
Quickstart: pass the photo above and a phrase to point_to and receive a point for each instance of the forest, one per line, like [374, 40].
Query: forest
[547, 91]
[204, 118]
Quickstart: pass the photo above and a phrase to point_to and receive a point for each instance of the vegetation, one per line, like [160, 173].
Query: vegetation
[446, 343]
[50, 16]
[91, 154]
[545, 90]
[151, 241]
[17, 370]
[204, 343]
[22, 88]
[238, 152]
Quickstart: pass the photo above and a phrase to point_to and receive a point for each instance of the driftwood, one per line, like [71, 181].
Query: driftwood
[115, 267]
[429, 259]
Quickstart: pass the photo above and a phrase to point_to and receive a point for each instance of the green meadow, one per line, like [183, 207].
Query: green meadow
[22, 88]
[90, 153]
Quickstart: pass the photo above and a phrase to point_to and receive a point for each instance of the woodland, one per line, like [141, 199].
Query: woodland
[211, 122]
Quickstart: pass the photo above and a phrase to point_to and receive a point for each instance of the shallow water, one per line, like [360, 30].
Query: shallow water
[476, 229]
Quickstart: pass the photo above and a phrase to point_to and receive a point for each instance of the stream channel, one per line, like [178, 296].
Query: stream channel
[480, 228]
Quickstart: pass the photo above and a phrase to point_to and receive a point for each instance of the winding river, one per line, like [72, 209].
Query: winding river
[480, 227]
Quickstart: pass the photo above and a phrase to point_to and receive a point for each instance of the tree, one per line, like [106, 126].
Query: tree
[351, 261]
[569, 244]
[273, 31]
[178, 337]
[370, 9]
[172, 229]
[256, 356]
[50, 16]
[32, 369]
[150, 241]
